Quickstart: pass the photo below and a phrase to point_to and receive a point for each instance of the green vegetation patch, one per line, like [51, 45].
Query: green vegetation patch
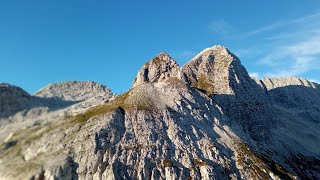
[199, 162]
[167, 163]
[205, 85]
[138, 101]
[23, 137]
[258, 165]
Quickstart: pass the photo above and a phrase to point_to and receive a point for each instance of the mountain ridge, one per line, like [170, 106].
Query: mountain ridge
[206, 120]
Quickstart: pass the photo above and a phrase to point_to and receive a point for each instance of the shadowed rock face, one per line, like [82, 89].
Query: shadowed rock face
[296, 103]
[207, 120]
[12, 99]
[55, 96]
[292, 92]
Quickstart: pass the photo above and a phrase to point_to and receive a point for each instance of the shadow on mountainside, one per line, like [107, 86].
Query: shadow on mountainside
[288, 121]
[11, 106]
[297, 110]
[296, 96]
[201, 129]
[249, 105]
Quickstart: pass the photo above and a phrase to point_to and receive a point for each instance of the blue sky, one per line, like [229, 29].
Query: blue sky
[42, 42]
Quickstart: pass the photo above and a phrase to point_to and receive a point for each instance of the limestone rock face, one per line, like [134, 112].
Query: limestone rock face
[207, 120]
[209, 70]
[220, 73]
[157, 69]
[74, 91]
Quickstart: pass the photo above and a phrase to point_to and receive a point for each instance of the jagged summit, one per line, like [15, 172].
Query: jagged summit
[163, 55]
[199, 71]
[216, 49]
[157, 69]
[209, 70]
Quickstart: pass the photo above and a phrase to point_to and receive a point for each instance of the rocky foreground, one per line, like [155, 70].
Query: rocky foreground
[205, 120]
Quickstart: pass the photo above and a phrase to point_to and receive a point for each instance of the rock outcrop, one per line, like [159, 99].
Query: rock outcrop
[157, 69]
[207, 120]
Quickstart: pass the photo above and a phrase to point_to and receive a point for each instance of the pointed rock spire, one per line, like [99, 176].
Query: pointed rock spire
[209, 70]
[157, 69]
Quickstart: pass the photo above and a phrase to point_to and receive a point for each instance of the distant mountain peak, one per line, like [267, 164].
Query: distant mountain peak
[74, 90]
[7, 89]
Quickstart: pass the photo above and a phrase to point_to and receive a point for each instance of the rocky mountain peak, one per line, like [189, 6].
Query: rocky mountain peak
[214, 50]
[11, 90]
[207, 120]
[220, 73]
[12, 99]
[74, 90]
[163, 55]
[209, 70]
[157, 69]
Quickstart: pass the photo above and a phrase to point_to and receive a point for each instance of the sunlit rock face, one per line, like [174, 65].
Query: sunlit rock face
[74, 90]
[157, 69]
[209, 70]
[220, 73]
[206, 120]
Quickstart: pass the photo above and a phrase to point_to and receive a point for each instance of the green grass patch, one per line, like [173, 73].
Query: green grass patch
[125, 101]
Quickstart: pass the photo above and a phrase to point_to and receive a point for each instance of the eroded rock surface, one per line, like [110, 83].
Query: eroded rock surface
[220, 73]
[207, 120]
[157, 69]
[74, 91]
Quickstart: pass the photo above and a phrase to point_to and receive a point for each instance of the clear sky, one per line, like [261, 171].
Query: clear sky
[42, 42]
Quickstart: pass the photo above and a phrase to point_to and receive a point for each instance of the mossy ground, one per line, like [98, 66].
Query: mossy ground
[204, 84]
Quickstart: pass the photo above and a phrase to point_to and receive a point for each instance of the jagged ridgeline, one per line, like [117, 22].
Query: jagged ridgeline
[205, 120]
